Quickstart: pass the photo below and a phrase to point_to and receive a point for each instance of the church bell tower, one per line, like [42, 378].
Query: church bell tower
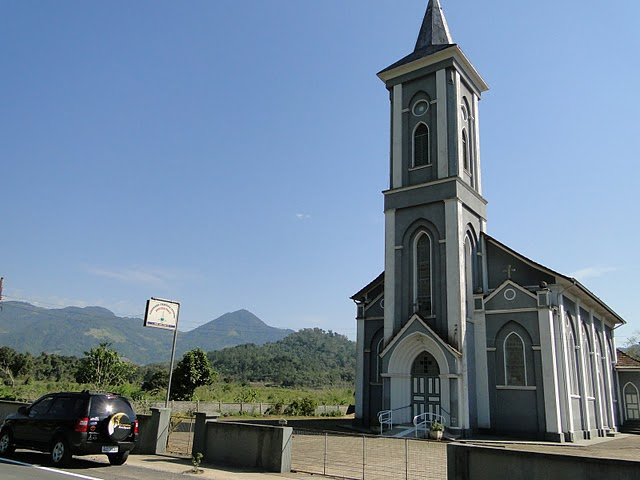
[434, 208]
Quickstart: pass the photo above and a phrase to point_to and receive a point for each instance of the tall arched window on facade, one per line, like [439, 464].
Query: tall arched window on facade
[423, 275]
[572, 358]
[421, 146]
[465, 150]
[586, 359]
[515, 367]
[468, 276]
[379, 348]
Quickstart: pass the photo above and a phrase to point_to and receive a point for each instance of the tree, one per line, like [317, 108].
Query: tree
[157, 382]
[193, 371]
[633, 345]
[102, 368]
[13, 364]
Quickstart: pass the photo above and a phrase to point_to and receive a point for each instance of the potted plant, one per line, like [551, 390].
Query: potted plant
[435, 431]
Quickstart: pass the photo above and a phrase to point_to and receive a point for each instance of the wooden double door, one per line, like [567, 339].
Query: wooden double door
[425, 385]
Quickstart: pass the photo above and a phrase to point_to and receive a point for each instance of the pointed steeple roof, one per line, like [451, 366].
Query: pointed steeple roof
[434, 30]
[434, 35]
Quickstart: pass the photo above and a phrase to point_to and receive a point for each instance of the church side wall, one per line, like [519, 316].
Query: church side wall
[515, 409]
[372, 401]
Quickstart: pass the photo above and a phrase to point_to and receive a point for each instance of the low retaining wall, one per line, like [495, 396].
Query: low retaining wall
[7, 407]
[262, 447]
[474, 462]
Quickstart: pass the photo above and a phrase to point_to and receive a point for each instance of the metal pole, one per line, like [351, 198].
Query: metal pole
[173, 356]
[364, 455]
[324, 466]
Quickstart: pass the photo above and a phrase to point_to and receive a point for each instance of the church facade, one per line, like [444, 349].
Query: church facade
[459, 324]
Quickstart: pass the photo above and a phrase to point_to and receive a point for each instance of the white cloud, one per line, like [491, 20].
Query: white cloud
[591, 272]
[153, 277]
[303, 216]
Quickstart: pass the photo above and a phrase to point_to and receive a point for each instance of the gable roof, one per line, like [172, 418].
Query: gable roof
[360, 294]
[568, 280]
[626, 361]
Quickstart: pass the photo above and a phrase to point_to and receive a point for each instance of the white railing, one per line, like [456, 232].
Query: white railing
[385, 417]
[424, 420]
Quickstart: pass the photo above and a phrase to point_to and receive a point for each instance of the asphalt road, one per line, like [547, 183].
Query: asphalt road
[28, 465]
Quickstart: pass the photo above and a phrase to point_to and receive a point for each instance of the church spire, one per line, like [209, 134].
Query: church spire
[434, 30]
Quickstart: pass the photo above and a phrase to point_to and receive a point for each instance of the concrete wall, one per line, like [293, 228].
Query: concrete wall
[7, 407]
[244, 445]
[153, 432]
[472, 462]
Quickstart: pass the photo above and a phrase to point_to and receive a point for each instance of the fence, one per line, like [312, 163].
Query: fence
[180, 435]
[365, 457]
[255, 408]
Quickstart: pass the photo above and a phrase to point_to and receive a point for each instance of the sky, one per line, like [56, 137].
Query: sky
[231, 154]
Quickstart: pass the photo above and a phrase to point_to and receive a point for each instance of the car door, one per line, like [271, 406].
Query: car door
[60, 417]
[27, 428]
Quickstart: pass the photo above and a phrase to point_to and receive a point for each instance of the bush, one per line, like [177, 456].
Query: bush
[305, 407]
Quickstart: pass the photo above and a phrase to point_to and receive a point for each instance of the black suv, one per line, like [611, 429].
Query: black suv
[73, 423]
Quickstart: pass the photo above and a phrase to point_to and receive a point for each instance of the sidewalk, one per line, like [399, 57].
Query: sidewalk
[166, 463]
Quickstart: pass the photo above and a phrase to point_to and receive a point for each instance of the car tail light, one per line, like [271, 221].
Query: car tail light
[135, 426]
[82, 425]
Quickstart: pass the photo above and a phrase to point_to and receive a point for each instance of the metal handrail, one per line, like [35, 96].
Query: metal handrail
[421, 421]
[385, 417]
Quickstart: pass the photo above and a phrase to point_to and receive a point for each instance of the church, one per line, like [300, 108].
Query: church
[459, 325]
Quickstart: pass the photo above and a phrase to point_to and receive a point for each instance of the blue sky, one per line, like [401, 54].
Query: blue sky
[231, 154]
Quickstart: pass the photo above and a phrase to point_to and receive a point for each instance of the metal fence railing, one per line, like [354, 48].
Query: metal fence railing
[180, 435]
[367, 457]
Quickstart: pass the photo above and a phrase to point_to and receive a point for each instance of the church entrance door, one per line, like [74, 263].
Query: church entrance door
[425, 385]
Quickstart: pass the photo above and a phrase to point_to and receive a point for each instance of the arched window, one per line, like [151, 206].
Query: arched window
[587, 361]
[422, 301]
[572, 358]
[515, 367]
[468, 276]
[421, 146]
[465, 150]
[379, 348]
[631, 402]
[425, 364]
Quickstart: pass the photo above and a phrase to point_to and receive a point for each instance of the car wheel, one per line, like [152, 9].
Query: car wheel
[60, 453]
[6, 443]
[118, 458]
[119, 427]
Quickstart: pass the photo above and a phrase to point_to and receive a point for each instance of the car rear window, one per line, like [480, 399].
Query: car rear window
[106, 406]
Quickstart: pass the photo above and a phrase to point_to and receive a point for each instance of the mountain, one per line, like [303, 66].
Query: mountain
[74, 330]
[229, 330]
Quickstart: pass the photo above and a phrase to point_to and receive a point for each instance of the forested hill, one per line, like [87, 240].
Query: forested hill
[307, 358]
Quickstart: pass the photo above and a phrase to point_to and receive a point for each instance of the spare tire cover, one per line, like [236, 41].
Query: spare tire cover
[119, 427]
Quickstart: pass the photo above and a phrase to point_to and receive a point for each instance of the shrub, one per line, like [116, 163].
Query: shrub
[305, 407]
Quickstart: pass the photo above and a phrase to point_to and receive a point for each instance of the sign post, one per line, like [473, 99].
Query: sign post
[164, 314]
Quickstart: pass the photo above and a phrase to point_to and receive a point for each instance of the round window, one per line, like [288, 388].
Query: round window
[509, 294]
[420, 108]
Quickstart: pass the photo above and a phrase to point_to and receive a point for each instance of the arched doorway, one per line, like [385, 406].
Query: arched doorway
[631, 402]
[425, 385]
